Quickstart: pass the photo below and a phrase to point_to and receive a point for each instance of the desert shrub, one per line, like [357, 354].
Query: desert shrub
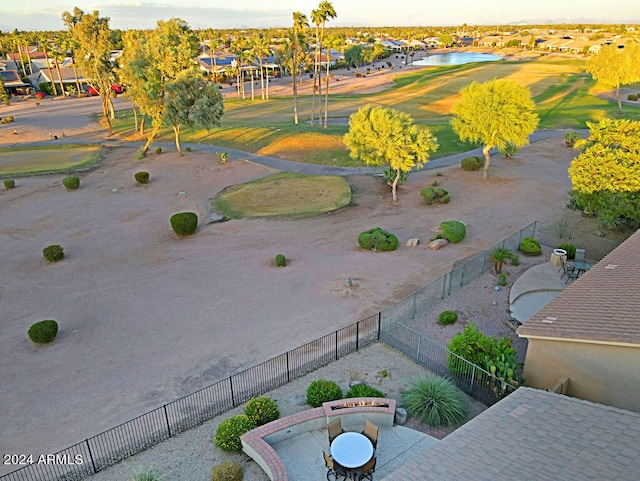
[447, 317]
[633, 97]
[43, 332]
[142, 177]
[530, 246]
[499, 256]
[4, 121]
[570, 248]
[509, 150]
[378, 239]
[227, 471]
[262, 410]
[390, 175]
[71, 183]
[158, 150]
[474, 162]
[437, 195]
[436, 402]
[46, 88]
[188, 149]
[363, 390]
[570, 138]
[53, 253]
[322, 391]
[502, 279]
[453, 230]
[184, 223]
[140, 154]
[9, 183]
[150, 474]
[10, 118]
[280, 260]
[515, 260]
[229, 431]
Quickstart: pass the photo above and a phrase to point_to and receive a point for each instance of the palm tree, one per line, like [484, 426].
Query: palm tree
[43, 45]
[58, 55]
[325, 12]
[316, 18]
[238, 46]
[69, 46]
[18, 39]
[329, 13]
[300, 23]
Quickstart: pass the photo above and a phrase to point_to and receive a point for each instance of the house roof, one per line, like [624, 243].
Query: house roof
[12, 79]
[533, 435]
[603, 305]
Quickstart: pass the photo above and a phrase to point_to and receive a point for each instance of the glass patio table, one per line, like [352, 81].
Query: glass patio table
[351, 450]
[581, 267]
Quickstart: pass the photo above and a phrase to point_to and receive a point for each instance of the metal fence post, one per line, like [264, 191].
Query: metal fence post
[473, 378]
[93, 464]
[379, 324]
[336, 345]
[288, 375]
[414, 305]
[444, 285]
[233, 400]
[357, 335]
[462, 275]
[166, 417]
[484, 261]
[535, 224]
[418, 351]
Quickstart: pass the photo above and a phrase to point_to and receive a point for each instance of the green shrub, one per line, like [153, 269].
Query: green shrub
[140, 154]
[363, 390]
[378, 239]
[10, 118]
[502, 279]
[71, 183]
[390, 175]
[262, 410]
[43, 332]
[184, 223]
[570, 138]
[229, 431]
[447, 317]
[633, 97]
[530, 246]
[436, 402]
[9, 183]
[158, 150]
[280, 260]
[188, 149]
[4, 121]
[142, 177]
[515, 260]
[151, 474]
[499, 256]
[322, 391]
[227, 471]
[53, 253]
[453, 230]
[437, 195]
[509, 150]
[570, 248]
[472, 163]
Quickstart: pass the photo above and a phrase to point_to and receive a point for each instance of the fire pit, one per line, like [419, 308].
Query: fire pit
[354, 411]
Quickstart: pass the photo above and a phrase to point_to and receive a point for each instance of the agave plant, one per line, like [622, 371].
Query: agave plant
[435, 401]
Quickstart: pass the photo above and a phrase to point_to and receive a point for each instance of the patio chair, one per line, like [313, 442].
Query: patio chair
[565, 267]
[334, 469]
[366, 471]
[334, 429]
[579, 255]
[371, 432]
[571, 274]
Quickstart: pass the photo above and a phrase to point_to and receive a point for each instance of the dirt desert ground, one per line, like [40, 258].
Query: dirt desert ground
[146, 317]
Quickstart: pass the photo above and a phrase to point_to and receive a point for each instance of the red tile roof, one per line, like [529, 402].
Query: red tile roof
[603, 305]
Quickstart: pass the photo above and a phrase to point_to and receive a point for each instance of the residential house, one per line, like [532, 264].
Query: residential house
[13, 84]
[68, 75]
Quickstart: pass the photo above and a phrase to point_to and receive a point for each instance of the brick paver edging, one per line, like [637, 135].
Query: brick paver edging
[256, 443]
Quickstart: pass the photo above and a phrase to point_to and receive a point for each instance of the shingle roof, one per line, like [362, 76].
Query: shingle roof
[534, 435]
[603, 305]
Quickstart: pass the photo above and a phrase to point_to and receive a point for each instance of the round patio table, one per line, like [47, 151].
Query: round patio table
[351, 450]
[582, 267]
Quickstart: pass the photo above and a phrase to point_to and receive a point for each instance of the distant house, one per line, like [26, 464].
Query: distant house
[590, 333]
[68, 78]
[13, 84]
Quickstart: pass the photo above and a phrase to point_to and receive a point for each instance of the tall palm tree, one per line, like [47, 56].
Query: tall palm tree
[238, 46]
[44, 46]
[69, 46]
[325, 12]
[300, 23]
[316, 18]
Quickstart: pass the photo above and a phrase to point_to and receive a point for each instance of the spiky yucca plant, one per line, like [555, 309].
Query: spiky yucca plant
[435, 401]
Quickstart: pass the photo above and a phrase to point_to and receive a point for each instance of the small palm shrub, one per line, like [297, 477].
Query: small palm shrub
[502, 279]
[447, 317]
[229, 431]
[499, 256]
[184, 223]
[280, 260]
[53, 253]
[530, 246]
[43, 332]
[453, 230]
[437, 195]
[474, 162]
[150, 474]
[378, 240]
[158, 150]
[322, 391]
[71, 183]
[9, 183]
[227, 471]
[570, 248]
[436, 402]
[363, 390]
[142, 177]
[262, 410]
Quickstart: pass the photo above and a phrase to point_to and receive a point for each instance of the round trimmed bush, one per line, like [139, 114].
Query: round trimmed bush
[363, 390]
[453, 230]
[142, 177]
[436, 402]
[378, 239]
[447, 317]
[71, 183]
[502, 279]
[280, 260]
[633, 97]
[322, 391]
[11, 119]
[437, 195]
[570, 248]
[184, 223]
[262, 410]
[530, 246]
[9, 183]
[227, 471]
[53, 253]
[158, 150]
[229, 431]
[474, 162]
[44, 331]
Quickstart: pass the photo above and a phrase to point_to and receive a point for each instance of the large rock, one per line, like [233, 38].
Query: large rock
[437, 244]
[412, 242]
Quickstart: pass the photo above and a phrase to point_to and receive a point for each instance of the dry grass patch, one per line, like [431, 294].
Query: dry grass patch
[291, 147]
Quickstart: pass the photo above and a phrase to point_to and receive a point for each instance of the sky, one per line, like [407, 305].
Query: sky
[125, 14]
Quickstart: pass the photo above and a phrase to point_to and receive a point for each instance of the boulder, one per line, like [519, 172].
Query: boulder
[412, 242]
[437, 244]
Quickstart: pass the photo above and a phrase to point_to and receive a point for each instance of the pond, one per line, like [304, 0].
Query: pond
[457, 58]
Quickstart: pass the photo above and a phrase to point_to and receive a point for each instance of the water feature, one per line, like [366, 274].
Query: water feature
[456, 58]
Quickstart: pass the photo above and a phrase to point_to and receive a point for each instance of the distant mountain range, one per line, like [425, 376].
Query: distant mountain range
[572, 21]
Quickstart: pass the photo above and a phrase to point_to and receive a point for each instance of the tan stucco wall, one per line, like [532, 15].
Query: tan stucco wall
[606, 374]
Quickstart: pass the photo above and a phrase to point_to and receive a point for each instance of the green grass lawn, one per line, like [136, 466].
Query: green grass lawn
[56, 158]
[564, 93]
